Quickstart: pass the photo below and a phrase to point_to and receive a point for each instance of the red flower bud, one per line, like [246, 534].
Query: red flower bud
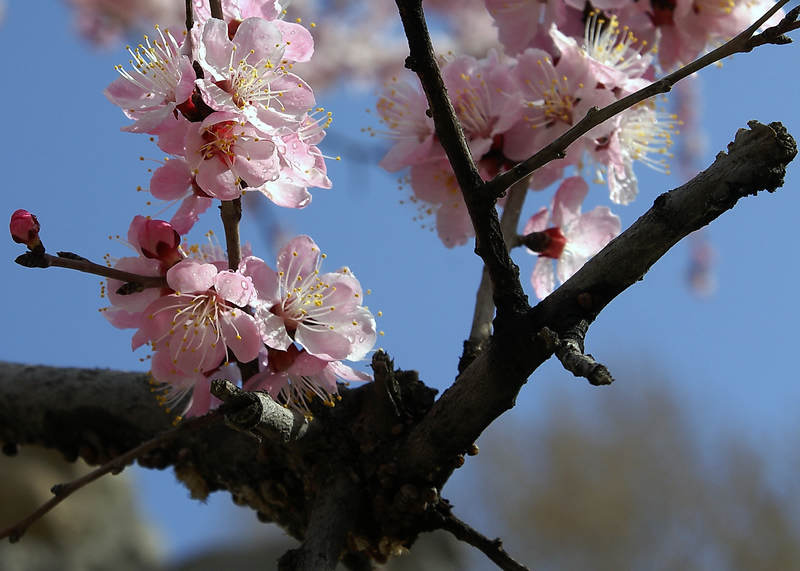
[555, 244]
[160, 241]
[25, 229]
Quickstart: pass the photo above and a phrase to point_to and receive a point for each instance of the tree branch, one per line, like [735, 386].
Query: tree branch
[509, 297]
[231, 212]
[492, 548]
[481, 328]
[75, 262]
[332, 517]
[756, 160]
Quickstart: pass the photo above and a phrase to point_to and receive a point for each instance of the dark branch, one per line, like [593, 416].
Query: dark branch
[755, 160]
[231, 212]
[189, 10]
[74, 262]
[492, 548]
[216, 8]
[481, 328]
[509, 298]
[332, 517]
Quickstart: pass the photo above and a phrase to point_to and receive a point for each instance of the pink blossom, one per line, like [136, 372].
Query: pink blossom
[616, 57]
[293, 376]
[435, 183]
[158, 246]
[190, 329]
[643, 134]
[320, 312]
[226, 155]
[161, 80]
[575, 237]
[127, 310]
[486, 101]
[555, 98]
[402, 110]
[517, 22]
[248, 74]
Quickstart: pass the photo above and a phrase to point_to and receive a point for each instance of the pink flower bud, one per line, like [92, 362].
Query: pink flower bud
[25, 229]
[556, 243]
[160, 241]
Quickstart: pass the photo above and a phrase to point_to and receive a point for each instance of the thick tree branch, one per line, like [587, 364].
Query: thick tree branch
[756, 160]
[332, 517]
[509, 297]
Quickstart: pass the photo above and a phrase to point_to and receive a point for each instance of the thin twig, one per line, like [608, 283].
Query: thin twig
[189, 18]
[742, 43]
[492, 548]
[74, 262]
[62, 491]
[231, 212]
[216, 8]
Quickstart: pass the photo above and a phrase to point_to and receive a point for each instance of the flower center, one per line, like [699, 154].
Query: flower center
[220, 141]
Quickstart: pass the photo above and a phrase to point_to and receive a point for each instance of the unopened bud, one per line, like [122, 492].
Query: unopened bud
[158, 240]
[555, 246]
[25, 230]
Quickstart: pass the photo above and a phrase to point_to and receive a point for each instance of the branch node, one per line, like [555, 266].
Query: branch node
[569, 350]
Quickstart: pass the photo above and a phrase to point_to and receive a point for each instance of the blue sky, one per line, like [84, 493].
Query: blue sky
[728, 357]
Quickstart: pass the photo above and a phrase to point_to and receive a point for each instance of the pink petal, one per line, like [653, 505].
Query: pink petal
[189, 212]
[324, 343]
[265, 280]
[347, 373]
[241, 335]
[170, 181]
[592, 231]
[234, 287]
[307, 365]
[299, 43]
[537, 222]
[298, 259]
[191, 276]
[543, 278]
[272, 329]
[453, 223]
[568, 199]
